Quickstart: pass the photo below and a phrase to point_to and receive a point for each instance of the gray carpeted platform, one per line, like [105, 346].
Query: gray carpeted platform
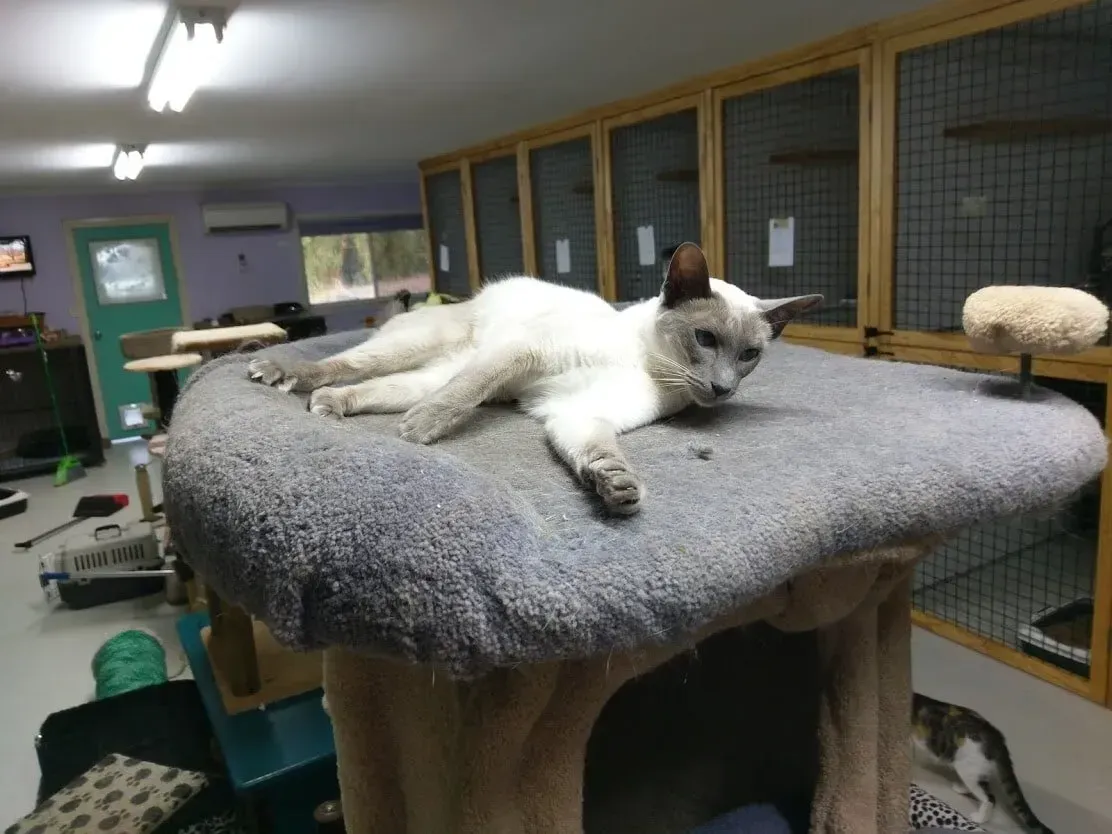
[483, 551]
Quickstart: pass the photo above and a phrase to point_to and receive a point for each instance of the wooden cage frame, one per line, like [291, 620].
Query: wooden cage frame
[875, 50]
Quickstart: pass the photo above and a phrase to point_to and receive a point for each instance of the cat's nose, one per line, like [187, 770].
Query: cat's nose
[719, 390]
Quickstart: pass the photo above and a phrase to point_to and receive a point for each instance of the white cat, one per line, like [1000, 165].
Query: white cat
[586, 370]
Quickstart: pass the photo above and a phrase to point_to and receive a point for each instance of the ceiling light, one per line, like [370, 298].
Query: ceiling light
[128, 163]
[186, 58]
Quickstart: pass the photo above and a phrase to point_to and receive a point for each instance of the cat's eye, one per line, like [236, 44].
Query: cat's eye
[749, 354]
[705, 338]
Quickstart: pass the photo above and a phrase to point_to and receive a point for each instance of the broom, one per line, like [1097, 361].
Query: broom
[69, 467]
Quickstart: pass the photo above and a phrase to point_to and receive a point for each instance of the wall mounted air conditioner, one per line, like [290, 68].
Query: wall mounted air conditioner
[225, 218]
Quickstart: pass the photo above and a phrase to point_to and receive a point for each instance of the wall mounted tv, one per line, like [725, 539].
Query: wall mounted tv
[16, 258]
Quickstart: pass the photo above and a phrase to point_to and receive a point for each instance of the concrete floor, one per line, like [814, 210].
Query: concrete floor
[1062, 744]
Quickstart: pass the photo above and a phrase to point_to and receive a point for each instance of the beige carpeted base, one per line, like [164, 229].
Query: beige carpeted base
[812, 711]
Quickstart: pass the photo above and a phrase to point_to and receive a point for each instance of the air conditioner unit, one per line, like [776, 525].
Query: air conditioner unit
[225, 218]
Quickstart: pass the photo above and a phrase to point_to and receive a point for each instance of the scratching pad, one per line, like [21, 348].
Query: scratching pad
[1036, 320]
[472, 592]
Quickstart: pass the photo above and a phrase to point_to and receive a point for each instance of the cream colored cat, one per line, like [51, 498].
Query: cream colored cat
[587, 371]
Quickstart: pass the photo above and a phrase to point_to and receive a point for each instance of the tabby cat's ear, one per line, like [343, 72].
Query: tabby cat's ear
[779, 311]
[688, 276]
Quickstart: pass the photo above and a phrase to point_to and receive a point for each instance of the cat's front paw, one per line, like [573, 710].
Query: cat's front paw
[431, 420]
[327, 402]
[621, 490]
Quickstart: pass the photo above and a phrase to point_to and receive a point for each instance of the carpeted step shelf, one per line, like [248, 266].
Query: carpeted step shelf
[500, 658]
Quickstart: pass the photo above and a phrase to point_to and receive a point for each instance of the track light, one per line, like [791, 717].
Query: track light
[128, 163]
[186, 58]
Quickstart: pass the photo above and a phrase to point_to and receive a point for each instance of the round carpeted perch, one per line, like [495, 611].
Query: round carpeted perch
[1032, 321]
[1053, 320]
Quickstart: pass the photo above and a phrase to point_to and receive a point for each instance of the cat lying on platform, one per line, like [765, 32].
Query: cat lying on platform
[586, 370]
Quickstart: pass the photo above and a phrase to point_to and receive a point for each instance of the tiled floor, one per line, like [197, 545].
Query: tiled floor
[1062, 744]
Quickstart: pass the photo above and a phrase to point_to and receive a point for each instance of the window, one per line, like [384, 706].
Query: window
[355, 260]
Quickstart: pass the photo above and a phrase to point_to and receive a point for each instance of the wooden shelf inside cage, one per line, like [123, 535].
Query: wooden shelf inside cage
[679, 175]
[583, 188]
[1019, 129]
[815, 156]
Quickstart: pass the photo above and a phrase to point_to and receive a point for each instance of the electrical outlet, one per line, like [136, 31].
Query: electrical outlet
[973, 206]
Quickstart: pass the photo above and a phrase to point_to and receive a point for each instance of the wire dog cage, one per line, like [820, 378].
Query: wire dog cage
[654, 176]
[497, 217]
[447, 232]
[790, 157]
[563, 203]
[1004, 176]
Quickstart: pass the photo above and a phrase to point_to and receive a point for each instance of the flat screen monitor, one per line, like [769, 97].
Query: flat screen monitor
[16, 258]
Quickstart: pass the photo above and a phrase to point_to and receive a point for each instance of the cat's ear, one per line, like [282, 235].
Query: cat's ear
[778, 312]
[688, 275]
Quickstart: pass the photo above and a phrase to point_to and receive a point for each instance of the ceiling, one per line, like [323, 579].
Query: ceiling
[321, 90]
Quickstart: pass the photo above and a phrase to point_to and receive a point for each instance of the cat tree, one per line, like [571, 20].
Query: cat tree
[501, 658]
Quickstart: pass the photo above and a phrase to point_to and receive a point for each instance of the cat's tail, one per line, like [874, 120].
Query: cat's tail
[1015, 795]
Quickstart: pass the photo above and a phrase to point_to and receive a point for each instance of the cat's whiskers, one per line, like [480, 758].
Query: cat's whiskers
[668, 362]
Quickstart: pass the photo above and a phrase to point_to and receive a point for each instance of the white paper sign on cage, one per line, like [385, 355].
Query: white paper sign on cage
[781, 241]
[563, 256]
[646, 246]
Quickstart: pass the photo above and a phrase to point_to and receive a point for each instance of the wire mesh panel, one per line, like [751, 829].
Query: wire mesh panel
[790, 175]
[564, 213]
[497, 217]
[447, 233]
[1004, 164]
[655, 183]
[1026, 583]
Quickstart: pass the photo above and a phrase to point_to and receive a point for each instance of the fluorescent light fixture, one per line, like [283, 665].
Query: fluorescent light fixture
[186, 59]
[128, 163]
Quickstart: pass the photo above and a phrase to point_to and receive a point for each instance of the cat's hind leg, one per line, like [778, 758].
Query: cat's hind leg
[404, 343]
[489, 374]
[391, 394]
[974, 776]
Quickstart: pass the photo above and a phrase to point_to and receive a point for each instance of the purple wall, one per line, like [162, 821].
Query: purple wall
[212, 277]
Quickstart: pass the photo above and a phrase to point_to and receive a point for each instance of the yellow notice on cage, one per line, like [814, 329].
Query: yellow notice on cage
[781, 241]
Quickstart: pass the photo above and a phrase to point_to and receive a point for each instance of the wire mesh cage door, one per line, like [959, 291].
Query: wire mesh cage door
[564, 224]
[497, 217]
[654, 175]
[447, 232]
[790, 189]
[1004, 164]
[1026, 584]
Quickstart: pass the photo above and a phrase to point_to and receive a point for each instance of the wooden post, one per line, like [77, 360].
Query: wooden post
[467, 192]
[232, 645]
[430, 242]
[604, 220]
[525, 208]
[710, 175]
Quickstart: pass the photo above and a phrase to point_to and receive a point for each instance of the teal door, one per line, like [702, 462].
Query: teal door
[130, 284]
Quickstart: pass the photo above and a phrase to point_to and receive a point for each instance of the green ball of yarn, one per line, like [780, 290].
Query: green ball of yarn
[128, 661]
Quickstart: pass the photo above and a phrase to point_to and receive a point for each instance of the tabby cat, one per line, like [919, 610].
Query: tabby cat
[967, 743]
